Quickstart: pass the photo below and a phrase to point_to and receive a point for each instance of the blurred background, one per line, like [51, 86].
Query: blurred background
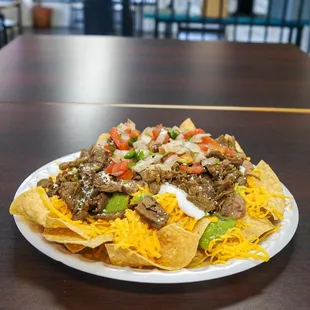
[271, 21]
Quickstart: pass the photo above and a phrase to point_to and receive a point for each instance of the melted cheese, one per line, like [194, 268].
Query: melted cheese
[234, 245]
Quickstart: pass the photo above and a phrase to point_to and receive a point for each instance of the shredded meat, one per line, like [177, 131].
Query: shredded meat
[232, 205]
[151, 211]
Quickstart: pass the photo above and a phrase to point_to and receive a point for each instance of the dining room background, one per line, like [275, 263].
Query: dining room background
[270, 21]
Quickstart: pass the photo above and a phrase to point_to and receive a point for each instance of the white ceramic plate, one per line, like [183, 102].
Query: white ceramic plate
[273, 244]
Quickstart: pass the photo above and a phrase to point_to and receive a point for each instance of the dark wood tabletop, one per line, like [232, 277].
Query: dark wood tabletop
[34, 134]
[117, 70]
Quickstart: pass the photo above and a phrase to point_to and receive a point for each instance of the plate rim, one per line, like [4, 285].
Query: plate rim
[147, 276]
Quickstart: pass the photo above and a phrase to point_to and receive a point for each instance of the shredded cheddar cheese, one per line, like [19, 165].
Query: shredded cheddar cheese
[258, 200]
[131, 233]
[241, 224]
[169, 203]
[59, 209]
[234, 245]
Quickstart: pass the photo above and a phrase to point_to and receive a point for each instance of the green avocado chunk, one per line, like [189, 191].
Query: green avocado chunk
[118, 202]
[215, 230]
[137, 199]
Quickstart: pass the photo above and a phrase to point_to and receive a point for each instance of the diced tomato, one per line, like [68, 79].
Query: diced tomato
[156, 132]
[217, 146]
[192, 133]
[120, 167]
[195, 169]
[120, 143]
[134, 134]
[109, 168]
[123, 145]
[203, 147]
[229, 151]
[127, 175]
[209, 140]
[161, 150]
[166, 140]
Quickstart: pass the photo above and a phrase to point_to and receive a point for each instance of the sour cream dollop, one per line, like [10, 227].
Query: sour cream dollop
[187, 207]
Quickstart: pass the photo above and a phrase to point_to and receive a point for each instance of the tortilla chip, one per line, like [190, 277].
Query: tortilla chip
[178, 247]
[30, 205]
[255, 227]
[74, 248]
[54, 222]
[102, 138]
[187, 125]
[125, 257]
[65, 235]
[272, 184]
[201, 226]
[198, 260]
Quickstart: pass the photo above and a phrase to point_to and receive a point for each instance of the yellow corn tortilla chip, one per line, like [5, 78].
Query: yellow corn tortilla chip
[198, 259]
[126, 257]
[201, 226]
[102, 138]
[53, 222]
[74, 248]
[30, 205]
[255, 227]
[178, 247]
[272, 184]
[187, 125]
[65, 235]
[237, 145]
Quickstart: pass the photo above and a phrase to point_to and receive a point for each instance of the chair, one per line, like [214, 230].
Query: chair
[3, 32]
[77, 8]
[290, 14]
[7, 29]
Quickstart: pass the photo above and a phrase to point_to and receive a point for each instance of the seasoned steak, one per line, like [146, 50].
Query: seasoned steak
[233, 206]
[151, 211]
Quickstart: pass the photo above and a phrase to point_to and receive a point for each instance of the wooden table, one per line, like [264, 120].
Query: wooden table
[118, 70]
[34, 134]
[194, 80]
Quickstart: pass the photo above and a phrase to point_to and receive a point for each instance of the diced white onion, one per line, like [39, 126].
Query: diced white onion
[140, 145]
[130, 124]
[174, 147]
[242, 170]
[145, 138]
[143, 164]
[198, 138]
[198, 157]
[192, 147]
[161, 137]
[209, 161]
[148, 131]
[119, 154]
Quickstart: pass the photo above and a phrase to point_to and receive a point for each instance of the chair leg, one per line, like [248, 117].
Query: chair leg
[156, 30]
[5, 36]
[298, 36]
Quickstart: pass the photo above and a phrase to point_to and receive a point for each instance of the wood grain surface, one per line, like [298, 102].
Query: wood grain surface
[34, 134]
[117, 70]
